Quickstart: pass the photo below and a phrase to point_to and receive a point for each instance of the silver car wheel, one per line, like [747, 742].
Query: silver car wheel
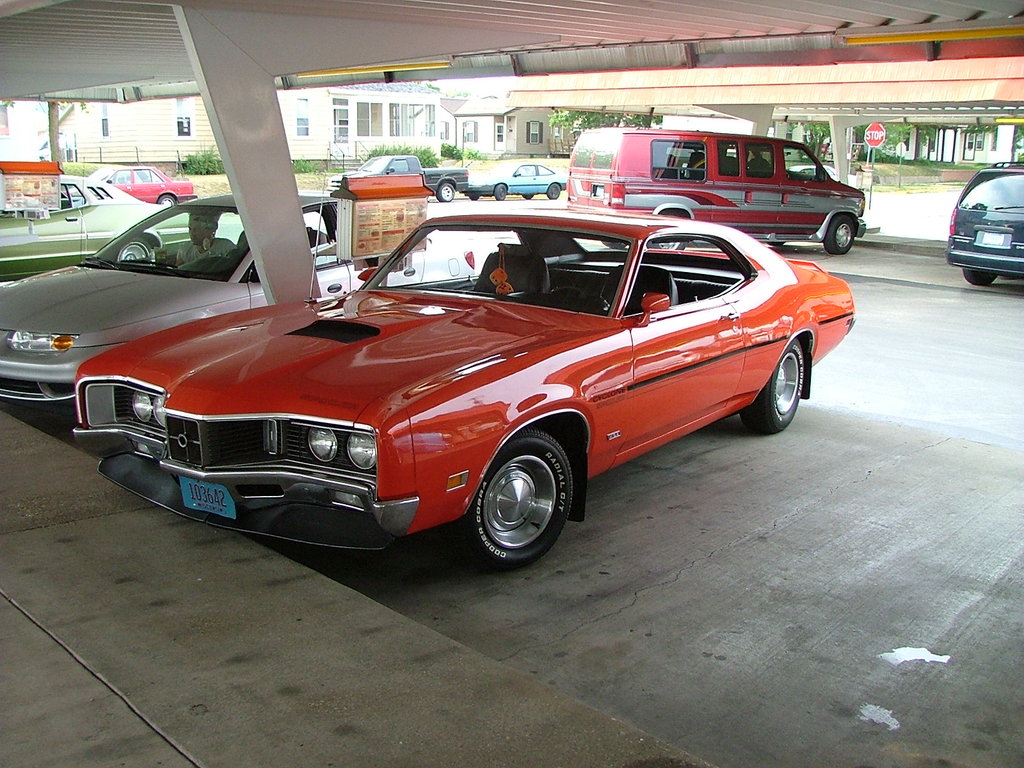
[787, 383]
[519, 502]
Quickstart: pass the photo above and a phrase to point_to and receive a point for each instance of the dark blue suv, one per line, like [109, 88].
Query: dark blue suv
[986, 232]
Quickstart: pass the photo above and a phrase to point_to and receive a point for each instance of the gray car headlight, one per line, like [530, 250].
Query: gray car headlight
[362, 450]
[27, 341]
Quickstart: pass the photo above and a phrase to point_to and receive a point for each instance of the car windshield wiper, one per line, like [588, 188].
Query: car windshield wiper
[150, 266]
[1007, 208]
[95, 261]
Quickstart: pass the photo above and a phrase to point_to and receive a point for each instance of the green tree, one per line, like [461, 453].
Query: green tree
[577, 121]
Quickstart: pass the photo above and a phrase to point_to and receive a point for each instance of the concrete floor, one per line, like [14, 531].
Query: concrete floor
[734, 597]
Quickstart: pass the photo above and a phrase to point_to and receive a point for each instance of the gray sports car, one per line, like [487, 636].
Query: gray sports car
[185, 262]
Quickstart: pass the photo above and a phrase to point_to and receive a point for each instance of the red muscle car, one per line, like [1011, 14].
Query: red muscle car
[488, 368]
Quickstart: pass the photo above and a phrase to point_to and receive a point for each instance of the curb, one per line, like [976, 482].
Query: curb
[933, 248]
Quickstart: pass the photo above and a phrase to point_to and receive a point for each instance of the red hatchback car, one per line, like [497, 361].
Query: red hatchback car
[148, 184]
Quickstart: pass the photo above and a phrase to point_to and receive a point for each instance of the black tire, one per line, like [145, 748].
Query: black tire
[977, 277]
[776, 404]
[473, 196]
[839, 235]
[500, 191]
[554, 190]
[167, 199]
[445, 192]
[528, 197]
[521, 505]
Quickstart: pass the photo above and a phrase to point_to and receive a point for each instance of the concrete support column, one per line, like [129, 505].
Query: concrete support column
[759, 114]
[837, 125]
[241, 99]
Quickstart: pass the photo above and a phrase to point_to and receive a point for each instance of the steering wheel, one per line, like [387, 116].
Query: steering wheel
[141, 249]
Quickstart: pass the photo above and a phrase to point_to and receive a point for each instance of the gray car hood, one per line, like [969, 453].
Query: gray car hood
[106, 306]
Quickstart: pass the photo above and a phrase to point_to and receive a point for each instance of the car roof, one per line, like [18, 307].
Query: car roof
[228, 200]
[636, 226]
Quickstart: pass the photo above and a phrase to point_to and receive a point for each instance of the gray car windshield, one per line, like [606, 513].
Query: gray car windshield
[206, 242]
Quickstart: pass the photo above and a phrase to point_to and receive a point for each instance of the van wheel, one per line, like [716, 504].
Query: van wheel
[554, 190]
[500, 191]
[977, 277]
[839, 236]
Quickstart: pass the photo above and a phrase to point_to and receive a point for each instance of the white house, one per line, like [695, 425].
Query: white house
[321, 123]
[492, 128]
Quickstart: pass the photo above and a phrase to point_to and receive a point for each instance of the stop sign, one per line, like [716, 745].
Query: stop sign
[874, 136]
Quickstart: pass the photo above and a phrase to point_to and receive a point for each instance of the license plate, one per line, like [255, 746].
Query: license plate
[993, 239]
[207, 497]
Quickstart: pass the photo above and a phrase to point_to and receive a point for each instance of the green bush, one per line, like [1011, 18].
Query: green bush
[451, 152]
[305, 166]
[426, 155]
[204, 163]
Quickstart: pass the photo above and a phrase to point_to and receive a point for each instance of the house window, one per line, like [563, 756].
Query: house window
[499, 133]
[445, 131]
[302, 117]
[469, 132]
[184, 117]
[341, 121]
[104, 121]
[369, 119]
[411, 119]
[534, 132]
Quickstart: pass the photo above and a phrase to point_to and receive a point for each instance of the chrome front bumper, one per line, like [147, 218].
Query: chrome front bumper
[270, 502]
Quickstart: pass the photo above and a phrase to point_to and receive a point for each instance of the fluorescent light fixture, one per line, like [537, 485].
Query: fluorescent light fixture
[1009, 121]
[378, 69]
[927, 33]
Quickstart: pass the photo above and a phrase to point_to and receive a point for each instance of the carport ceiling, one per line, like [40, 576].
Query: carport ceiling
[86, 49]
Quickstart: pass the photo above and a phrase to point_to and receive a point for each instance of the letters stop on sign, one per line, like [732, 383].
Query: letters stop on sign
[874, 136]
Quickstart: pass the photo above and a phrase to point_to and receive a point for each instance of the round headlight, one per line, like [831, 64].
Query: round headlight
[362, 450]
[142, 406]
[159, 411]
[323, 443]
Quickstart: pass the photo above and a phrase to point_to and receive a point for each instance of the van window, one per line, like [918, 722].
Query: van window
[678, 160]
[596, 150]
[994, 192]
[760, 160]
[728, 158]
[800, 165]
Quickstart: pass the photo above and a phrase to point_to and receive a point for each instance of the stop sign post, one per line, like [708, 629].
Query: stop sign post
[874, 137]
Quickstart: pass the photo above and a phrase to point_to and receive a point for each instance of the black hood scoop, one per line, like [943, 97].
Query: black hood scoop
[338, 330]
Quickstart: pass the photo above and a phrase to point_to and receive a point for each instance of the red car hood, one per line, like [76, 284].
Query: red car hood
[370, 351]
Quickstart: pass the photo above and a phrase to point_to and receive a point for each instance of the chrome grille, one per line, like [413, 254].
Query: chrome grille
[250, 442]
